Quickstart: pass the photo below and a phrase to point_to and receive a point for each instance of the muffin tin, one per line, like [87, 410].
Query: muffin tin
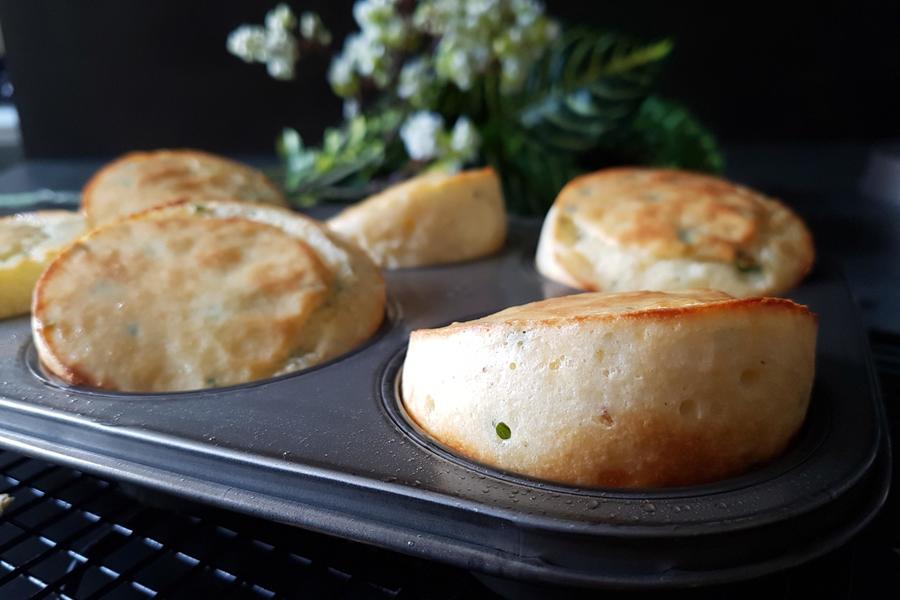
[331, 449]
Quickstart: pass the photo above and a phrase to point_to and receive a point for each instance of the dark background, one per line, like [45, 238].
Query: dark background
[98, 77]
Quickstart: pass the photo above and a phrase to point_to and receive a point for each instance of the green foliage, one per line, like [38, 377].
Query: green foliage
[587, 104]
[349, 157]
[539, 103]
[584, 94]
[588, 86]
[664, 133]
[531, 172]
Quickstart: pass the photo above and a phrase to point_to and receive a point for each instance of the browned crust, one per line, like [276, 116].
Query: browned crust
[75, 377]
[46, 352]
[182, 201]
[376, 318]
[715, 184]
[667, 312]
[615, 172]
[87, 191]
[648, 449]
[461, 175]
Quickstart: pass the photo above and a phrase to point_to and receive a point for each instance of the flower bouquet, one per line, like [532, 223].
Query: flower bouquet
[443, 84]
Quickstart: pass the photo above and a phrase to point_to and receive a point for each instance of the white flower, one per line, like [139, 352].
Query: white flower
[394, 33]
[280, 54]
[363, 52]
[372, 12]
[477, 8]
[273, 44]
[527, 12]
[420, 134]
[312, 28]
[280, 44]
[350, 109]
[380, 20]
[247, 42]
[414, 77]
[280, 68]
[464, 140]
[460, 69]
[341, 76]
[280, 17]
[512, 74]
[476, 35]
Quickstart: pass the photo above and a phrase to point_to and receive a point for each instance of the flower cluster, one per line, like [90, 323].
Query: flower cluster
[425, 139]
[439, 84]
[371, 53]
[416, 51]
[275, 43]
[475, 36]
[471, 38]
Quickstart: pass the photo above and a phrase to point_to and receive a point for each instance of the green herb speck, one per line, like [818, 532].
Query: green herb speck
[132, 329]
[210, 381]
[503, 431]
[746, 264]
[199, 209]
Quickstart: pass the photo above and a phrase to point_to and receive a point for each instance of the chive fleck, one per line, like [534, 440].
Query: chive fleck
[200, 209]
[503, 431]
[746, 264]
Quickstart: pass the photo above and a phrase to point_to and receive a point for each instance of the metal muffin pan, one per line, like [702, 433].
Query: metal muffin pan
[331, 449]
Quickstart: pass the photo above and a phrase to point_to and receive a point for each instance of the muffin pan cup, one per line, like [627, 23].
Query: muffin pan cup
[331, 449]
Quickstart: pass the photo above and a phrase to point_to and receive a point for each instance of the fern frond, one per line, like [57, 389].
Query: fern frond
[587, 86]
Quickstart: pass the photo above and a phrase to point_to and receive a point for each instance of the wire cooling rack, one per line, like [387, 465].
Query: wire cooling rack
[73, 536]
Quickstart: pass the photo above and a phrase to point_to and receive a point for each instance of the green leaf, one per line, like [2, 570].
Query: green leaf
[503, 431]
[664, 133]
[532, 173]
[290, 142]
[348, 158]
[588, 86]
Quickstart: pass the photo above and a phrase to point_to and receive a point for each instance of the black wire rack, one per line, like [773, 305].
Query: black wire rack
[73, 536]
